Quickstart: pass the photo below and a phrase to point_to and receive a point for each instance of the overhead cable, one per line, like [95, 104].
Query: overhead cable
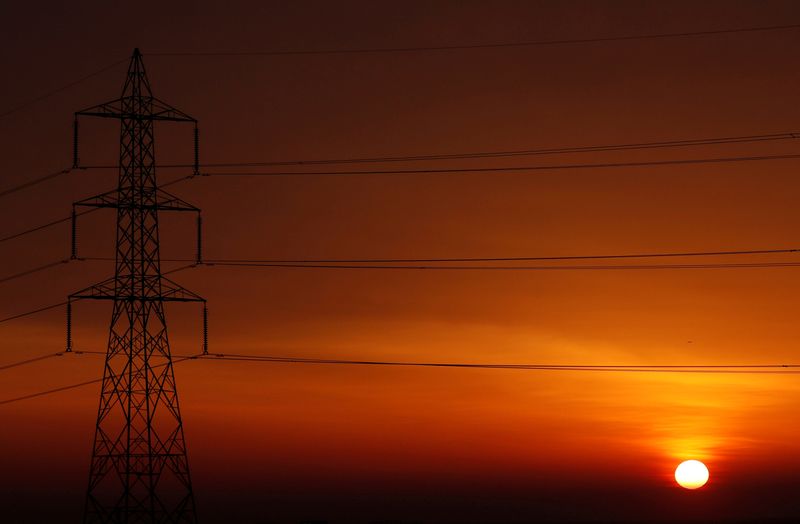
[492, 154]
[500, 169]
[497, 45]
[48, 94]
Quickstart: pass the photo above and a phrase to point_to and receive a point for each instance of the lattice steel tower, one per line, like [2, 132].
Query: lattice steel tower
[139, 470]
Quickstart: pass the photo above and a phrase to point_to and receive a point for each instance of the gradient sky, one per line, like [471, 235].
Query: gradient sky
[282, 443]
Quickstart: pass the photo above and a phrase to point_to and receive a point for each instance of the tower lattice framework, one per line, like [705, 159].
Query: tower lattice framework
[139, 468]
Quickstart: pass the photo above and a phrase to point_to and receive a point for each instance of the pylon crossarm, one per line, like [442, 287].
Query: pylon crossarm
[170, 290]
[163, 202]
[169, 202]
[156, 289]
[140, 298]
[157, 110]
[164, 111]
[104, 289]
[106, 110]
[107, 199]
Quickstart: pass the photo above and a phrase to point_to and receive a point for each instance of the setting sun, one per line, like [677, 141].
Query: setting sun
[691, 474]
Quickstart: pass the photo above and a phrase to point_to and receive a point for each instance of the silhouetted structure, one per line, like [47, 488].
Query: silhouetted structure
[139, 470]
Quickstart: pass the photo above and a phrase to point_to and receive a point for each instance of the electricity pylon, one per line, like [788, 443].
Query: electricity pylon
[139, 469]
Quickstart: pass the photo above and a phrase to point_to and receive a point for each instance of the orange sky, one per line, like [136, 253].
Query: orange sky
[284, 443]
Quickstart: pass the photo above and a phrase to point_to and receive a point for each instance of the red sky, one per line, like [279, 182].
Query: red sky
[282, 443]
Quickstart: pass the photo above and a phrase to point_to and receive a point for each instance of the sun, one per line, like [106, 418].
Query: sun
[691, 474]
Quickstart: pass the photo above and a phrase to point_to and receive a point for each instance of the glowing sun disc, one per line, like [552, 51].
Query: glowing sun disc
[691, 474]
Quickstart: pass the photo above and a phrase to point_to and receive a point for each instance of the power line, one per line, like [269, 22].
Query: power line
[385, 263]
[452, 156]
[492, 154]
[32, 312]
[727, 369]
[177, 180]
[625, 267]
[46, 225]
[44, 96]
[363, 263]
[477, 259]
[34, 182]
[737, 369]
[391, 263]
[552, 167]
[49, 391]
[34, 270]
[499, 45]
[30, 361]
[317, 360]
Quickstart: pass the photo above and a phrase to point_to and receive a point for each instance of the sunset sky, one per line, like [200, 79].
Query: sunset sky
[292, 442]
